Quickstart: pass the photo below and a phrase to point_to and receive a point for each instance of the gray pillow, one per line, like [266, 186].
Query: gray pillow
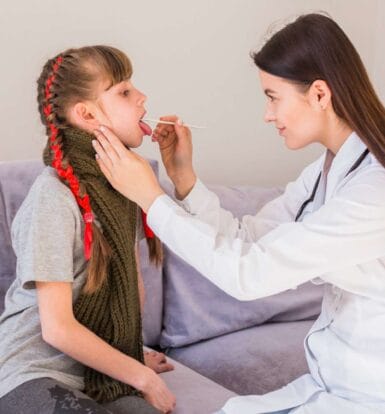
[195, 309]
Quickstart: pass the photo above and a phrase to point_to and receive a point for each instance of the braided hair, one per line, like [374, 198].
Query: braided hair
[66, 173]
[66, 79]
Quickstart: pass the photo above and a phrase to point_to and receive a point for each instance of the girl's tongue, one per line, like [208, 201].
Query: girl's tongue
[145, 128]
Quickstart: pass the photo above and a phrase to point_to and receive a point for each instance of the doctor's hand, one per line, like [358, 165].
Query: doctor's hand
[175, 146]
[127, 172]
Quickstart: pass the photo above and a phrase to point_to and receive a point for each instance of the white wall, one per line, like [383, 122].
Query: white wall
[190, 58]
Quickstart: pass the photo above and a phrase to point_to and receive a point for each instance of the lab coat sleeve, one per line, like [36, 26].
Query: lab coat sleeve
[348, 230]
[204, 203]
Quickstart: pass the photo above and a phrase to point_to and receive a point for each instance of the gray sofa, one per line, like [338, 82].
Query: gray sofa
[221, 347]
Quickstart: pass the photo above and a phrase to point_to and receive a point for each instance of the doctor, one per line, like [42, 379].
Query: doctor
[328, 226]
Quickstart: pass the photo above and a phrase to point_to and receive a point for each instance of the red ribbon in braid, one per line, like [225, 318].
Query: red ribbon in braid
[147, 230]
[67, 173]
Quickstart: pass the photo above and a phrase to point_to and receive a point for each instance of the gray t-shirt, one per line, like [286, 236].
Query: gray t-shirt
[47, 237]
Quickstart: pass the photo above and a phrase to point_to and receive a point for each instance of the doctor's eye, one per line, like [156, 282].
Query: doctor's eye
[271, 98]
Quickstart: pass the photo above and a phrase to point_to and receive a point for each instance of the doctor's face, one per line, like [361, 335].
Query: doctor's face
[295, 113]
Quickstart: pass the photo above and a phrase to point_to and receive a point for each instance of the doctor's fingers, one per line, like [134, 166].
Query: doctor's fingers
[105, 150]
[170, 118]
[103, 168]
[102, 156]
[163, 130]
[109, 140]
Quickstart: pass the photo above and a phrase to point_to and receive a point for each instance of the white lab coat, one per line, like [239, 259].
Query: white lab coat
[339, 242]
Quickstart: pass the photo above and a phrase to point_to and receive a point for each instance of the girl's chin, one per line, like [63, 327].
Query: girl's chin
[131, 139]
[134, 142]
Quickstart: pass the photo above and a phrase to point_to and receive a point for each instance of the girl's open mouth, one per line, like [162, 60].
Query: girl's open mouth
[146, 129]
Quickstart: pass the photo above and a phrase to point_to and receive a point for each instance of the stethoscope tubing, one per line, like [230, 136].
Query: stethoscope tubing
[315, 188]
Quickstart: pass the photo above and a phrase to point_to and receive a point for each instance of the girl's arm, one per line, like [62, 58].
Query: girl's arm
[61, 330]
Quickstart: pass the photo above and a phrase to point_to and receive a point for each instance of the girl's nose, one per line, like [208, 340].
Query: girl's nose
[142, 98]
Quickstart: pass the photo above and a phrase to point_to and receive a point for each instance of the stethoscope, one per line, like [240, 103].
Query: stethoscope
[313, 193]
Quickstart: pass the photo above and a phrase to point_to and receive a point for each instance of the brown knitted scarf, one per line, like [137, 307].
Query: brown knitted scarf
[113, 311]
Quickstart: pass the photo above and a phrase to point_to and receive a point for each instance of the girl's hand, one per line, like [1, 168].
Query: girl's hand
[127, 172]
[61, 330]
[175, 146]
[157, 361]
[156, 393]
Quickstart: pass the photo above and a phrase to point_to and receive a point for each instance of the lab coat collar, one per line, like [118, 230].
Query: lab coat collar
[345, 158]
[347, 155]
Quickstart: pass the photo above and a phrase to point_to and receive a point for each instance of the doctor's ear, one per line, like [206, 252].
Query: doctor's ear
[320, 94]
[83, 115]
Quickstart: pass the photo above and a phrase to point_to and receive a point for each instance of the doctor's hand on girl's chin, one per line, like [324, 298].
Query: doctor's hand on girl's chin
[175, 145]
[127, 172]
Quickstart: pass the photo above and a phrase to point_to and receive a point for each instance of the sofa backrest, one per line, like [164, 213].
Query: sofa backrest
[16, 177]
[182, 306]
[196, 310]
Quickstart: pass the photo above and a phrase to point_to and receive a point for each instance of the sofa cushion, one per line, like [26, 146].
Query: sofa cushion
[195, 309]
[189, 387]
[251, 361]
[16, 177]
[153, 306]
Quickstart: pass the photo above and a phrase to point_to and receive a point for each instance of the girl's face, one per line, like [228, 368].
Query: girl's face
[121, 108]
[298, 116]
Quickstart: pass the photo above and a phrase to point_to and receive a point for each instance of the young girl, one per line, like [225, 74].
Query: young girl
[71, 332]
[328, 226]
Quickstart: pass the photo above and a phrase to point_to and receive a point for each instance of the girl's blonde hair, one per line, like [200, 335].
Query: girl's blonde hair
[71, 77]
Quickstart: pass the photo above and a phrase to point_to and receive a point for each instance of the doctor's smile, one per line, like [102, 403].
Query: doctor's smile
[281, 130]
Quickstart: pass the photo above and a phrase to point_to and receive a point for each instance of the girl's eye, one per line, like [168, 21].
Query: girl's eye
[126, 92]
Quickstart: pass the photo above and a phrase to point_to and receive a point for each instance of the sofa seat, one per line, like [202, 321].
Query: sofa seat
[195, 393]
[251, 361]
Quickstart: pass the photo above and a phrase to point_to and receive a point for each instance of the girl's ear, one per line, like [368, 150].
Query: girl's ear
[320, 94]
[82, 115]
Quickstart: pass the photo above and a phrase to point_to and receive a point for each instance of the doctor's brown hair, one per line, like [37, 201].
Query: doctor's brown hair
[66, 79]
[314, 47]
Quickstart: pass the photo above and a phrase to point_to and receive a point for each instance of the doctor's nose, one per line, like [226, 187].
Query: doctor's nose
[269, 116]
